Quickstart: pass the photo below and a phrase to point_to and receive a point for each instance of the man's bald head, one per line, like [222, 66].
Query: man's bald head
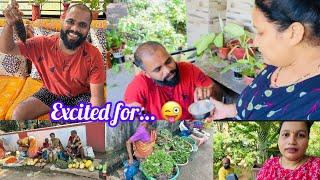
[157, 63]
[146, 49]
[82, 7]
[226, 161]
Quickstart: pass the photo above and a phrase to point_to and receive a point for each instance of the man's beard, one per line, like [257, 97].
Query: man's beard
[173, 81]
[72, 45]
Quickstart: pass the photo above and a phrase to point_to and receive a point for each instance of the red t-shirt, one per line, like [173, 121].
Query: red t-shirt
[153, 96]
[63, 74]
[272, 170]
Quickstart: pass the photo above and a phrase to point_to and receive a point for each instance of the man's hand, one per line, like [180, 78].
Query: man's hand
[12, 13]
[201, 93]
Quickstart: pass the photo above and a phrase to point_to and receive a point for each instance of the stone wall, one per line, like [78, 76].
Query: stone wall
[203, 17]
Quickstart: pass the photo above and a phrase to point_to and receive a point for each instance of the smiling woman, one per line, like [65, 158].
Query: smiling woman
[294, 163]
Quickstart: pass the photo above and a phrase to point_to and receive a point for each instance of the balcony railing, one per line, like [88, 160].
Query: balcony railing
[52, 8]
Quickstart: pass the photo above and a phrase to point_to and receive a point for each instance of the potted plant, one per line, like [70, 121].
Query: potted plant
[211, 47]
[36, 8]
[94, 6]
[247, 67]
[65, 4]
[242, 54]
[179, 144]
[217, 48]
[241, 44]
[252, 67]
[115, 46]
[180, 157]
[159, 165]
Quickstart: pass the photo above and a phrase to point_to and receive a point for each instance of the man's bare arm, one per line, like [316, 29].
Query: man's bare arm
[7, 45]
[97, 95]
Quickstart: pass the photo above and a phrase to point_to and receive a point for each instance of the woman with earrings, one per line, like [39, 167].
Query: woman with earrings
[288, 37]
[293, 163]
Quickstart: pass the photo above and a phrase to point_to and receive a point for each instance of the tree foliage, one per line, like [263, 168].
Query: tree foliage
[162, 21]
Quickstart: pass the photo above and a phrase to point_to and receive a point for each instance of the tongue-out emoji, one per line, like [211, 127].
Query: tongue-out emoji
[171, 111]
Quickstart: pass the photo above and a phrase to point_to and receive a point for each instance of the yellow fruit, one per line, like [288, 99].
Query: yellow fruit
[34, 161]
[88, 163]
[69, 166]
[74, 165]
[77, 165]
[91, 168]
[81, 166]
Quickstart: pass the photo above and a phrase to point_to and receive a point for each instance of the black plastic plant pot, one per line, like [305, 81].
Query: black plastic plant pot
[119, 60]
[118, 57]
[237, 76]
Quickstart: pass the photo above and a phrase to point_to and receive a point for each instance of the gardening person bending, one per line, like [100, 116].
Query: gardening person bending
[71, 68]
[142, 142]
[162, 80]
[29, 145]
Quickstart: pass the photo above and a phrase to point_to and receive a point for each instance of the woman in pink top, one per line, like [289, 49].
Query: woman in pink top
[294, 163]
[142, 141]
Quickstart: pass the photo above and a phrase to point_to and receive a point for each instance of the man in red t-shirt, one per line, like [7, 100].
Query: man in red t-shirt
[71, 68]
[162, 80]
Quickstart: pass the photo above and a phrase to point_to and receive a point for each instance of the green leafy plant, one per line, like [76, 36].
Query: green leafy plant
[9, 126]
[250, 66]
[314, 142]
[113, 40]
[180, 157]
[161, 21]
[164, 139]
[243, 51]
[239, 46]
[158, 164]
[94, 5]
[205, 42]
[38, 2]
[179, 144]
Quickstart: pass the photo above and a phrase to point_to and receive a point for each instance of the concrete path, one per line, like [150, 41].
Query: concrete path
[200, 166]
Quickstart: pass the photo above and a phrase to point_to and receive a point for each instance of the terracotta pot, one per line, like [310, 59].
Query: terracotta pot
[36, 12]
[223, 52]
[232, 43]
[65, 8]
[108, 60]
[95, 15]
[239, 53]
[247, 80]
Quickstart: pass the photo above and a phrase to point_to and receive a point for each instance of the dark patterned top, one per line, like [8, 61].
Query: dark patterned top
[298, 101]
